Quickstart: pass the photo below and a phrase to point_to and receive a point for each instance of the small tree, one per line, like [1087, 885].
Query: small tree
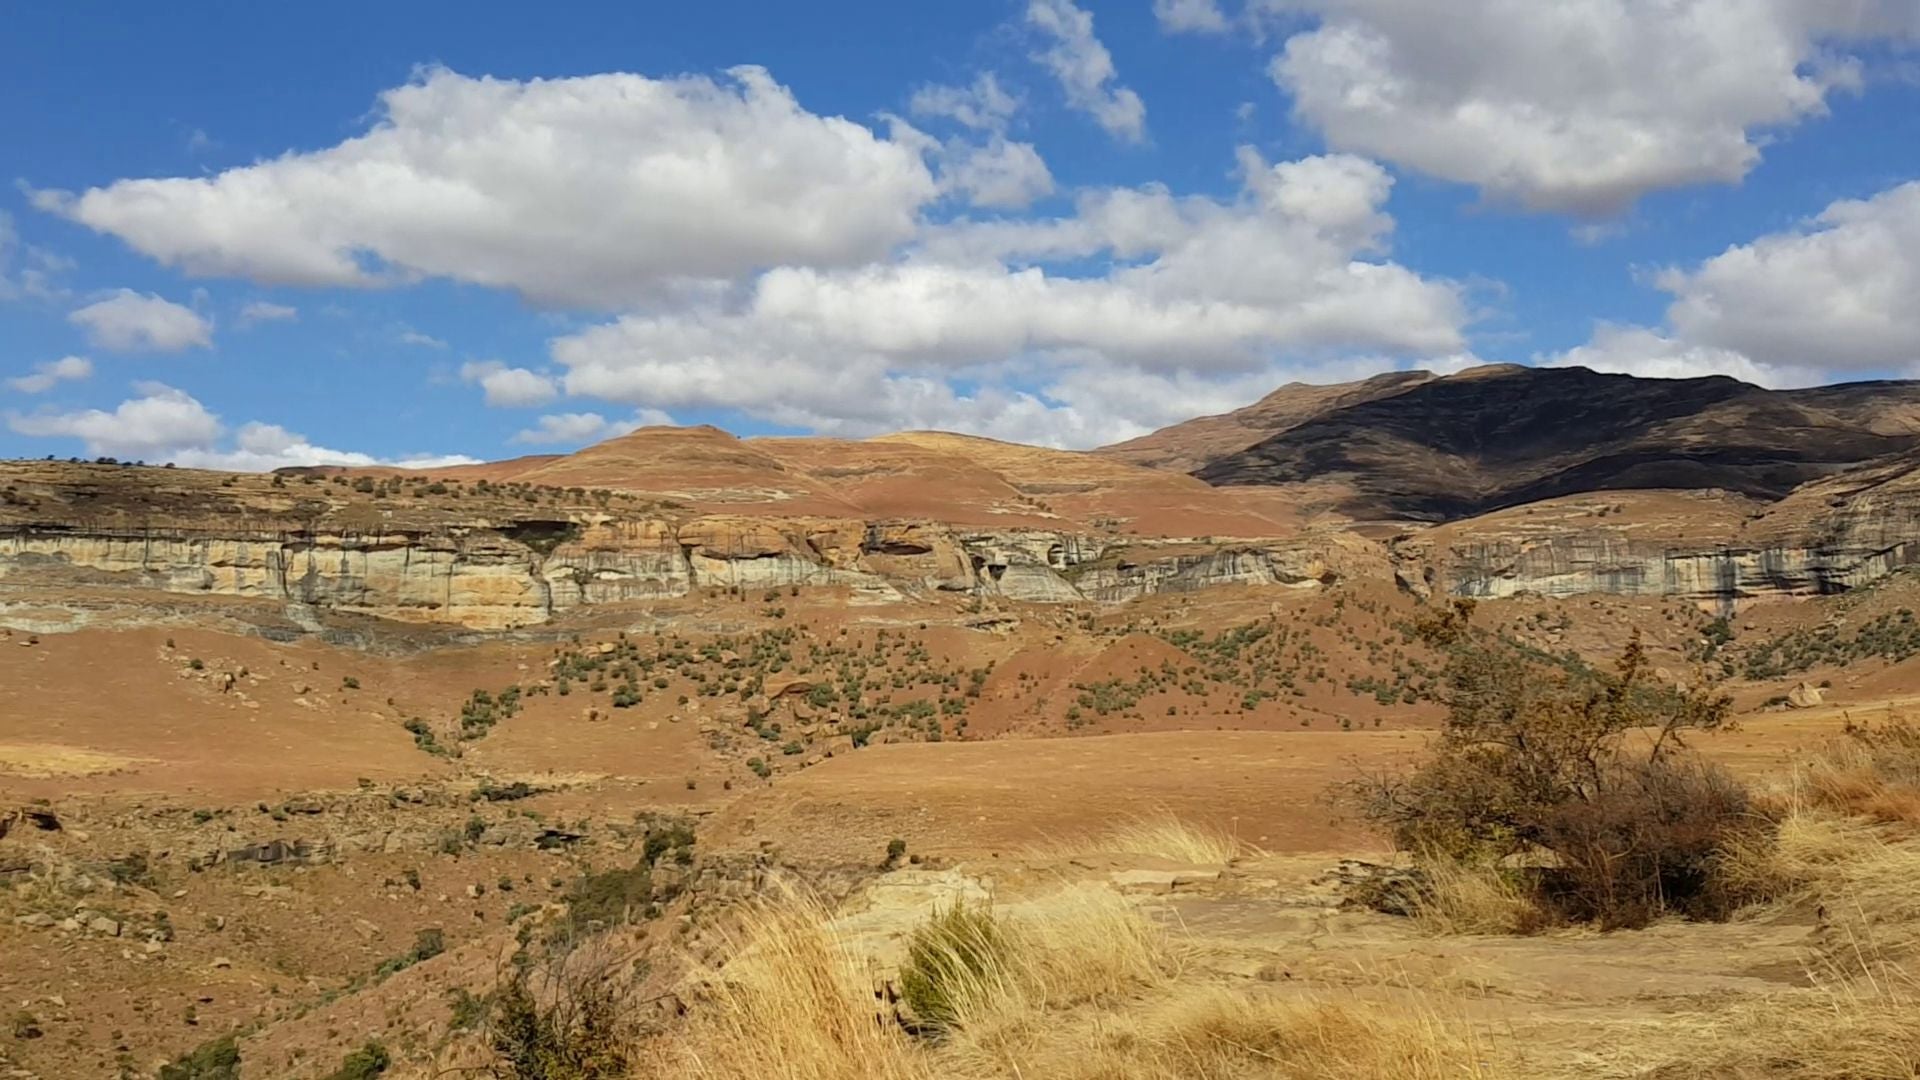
[1543, 753]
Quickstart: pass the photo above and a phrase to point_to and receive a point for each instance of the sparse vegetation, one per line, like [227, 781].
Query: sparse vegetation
[365, 1063]
[1536, 757]
[216, 1060]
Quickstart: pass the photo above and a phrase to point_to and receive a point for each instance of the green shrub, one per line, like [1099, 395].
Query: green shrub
[950, 954]
[365, 1063]
[216, 1060]
[607, 898]
[574, 1031]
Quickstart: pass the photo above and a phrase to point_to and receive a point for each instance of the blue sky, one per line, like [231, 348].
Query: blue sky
[251, 235]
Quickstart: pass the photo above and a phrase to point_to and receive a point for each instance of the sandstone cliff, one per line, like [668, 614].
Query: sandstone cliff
[1715, 548]
[516, 555]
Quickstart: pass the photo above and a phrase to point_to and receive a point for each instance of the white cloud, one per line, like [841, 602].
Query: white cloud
[1575, 105]
[35, 277]
[579, 428]
[1829, 301]
[128, 321]
[591, 191]
[1190, 16]
[51, 373]
[167, 424]
[424, 341]
[1636, 350]
[1085, 69]
[509, 387]
[1841, 295]
[260, 311]
[998, 174]
[151, 426]
[1204, 297]
[983, 106]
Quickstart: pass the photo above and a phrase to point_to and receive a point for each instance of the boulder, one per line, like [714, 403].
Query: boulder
[779, 686]
[1805, 696]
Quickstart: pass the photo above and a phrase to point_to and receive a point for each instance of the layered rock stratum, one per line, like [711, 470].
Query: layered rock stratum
[1492, 482]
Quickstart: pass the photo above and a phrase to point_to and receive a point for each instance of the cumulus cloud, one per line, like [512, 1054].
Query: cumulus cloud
[1085, 69]
[128, 321]
[420, 340]
[587, 427]
[1650, 354]
[1830, 300]
[1190, 16]
[1841, 295]
[983, 105]
[984, 166]
[998, 174]
[160, 421]
[509, 387]
[1576, 105]
[1205, 298]
[261, 311]
[167, 424]
[590, 191]
[51, 373]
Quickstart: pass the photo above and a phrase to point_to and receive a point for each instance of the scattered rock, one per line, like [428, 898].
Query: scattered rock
[1805, 696]
[779, 686]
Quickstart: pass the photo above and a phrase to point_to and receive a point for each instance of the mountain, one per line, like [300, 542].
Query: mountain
[1491, 437]
[1192, 444]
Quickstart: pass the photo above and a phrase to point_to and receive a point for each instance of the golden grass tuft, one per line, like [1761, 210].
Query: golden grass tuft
[1871, 772]
[1848, 865]
[792, 1003]
[1156, 836]
[1217, 1033]
[1081, 945]
[1474, 898]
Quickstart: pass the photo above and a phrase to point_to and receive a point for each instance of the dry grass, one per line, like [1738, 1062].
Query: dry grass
[1871, 772]
[1474, 898]
[1077, 946]
[1216, 1033]
[1081, 985]
[1863, 1027]
[1854, 869]
[1159, 835]
[793, 1003]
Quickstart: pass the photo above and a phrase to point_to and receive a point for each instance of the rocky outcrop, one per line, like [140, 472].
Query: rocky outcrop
[1120, 580]
[1577, 565]
[491, 575]
[1829, 536]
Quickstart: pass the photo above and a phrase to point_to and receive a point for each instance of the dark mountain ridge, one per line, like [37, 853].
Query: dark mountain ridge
[1493, 437]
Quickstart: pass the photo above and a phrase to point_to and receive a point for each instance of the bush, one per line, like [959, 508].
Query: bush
[216, 1060]
[1650, 841]
[573, 1029]
[675, 838]
[607, 898]
[1543, 756]
[952, 954]
[365, 1063]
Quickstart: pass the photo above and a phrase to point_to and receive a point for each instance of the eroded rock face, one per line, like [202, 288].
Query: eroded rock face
[490, 577]
[1831, 536]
